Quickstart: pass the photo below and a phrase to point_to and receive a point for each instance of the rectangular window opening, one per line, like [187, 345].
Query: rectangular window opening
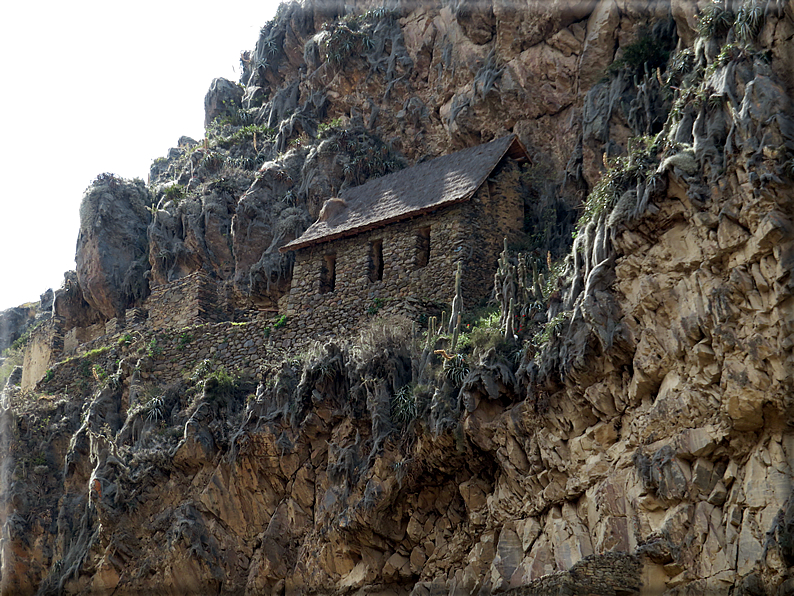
[376, 260]
[423, 247]
[328, 274]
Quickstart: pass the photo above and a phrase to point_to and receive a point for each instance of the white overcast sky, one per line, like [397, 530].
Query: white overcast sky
[91, 87]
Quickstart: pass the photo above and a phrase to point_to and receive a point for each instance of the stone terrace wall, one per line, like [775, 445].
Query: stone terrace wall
[168, 355]
[471, 231]
[191, 300]
[608, 574]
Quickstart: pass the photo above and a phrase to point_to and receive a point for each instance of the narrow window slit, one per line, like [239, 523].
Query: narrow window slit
[423, 247]
[376, 260]
[328, 274]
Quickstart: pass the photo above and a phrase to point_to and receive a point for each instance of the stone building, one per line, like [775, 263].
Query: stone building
[393, 243]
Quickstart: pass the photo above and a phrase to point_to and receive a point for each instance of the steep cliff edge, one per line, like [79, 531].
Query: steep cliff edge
[630, 435]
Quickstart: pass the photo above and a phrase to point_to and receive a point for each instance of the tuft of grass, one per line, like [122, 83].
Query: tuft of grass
[91, 354]
[220, 385]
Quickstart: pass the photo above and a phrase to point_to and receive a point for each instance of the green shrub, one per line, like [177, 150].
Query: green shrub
[326, 127]
[154, 350]
[184, 340]
[220, 385]
[174, 193]
[202, 371]
[375, 306]
[86, 368]
[647, 51]
[99, 373]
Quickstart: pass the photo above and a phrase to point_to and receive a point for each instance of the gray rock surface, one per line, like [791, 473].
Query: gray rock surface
[223, 98]
[112, 249]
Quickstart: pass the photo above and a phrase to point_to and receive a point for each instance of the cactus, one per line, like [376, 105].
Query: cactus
[505, 284]
[456, 333]
[508, 328]
[457, 302]
[536, 286]
[518, 288]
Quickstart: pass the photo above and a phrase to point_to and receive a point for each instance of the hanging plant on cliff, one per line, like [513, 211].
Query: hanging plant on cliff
[345, 41]
[715, 20]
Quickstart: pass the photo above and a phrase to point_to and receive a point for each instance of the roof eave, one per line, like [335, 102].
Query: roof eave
[375, 225]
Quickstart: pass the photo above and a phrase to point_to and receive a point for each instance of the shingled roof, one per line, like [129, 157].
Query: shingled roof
[411, 192]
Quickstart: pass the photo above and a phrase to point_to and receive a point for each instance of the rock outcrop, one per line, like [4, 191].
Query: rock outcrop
[623, 429]
[111, 247]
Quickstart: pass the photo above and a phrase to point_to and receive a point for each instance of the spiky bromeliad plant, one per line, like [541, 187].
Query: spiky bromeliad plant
[403, 406]
[715, 20]
[456, 369]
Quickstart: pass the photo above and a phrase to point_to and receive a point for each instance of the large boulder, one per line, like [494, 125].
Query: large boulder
[112, 255]
[224, 98]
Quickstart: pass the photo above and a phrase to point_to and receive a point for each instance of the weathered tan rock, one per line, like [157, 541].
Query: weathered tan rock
[645, 441]
[599, 44]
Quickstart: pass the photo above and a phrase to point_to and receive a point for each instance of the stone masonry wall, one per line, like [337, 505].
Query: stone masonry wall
[44, 346]
[607, 574]
[193, 299]
[168, 355]
[354, 294]
[471, 231]
[495, 212]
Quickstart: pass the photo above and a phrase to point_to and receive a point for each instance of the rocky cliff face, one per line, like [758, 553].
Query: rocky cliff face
[631, 434]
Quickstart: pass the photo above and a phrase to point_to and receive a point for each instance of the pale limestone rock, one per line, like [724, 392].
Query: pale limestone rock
[749, 545]
[394, 566]
[730, 234]
[474, 494]
[685, 14]
[540, 561]
[599, 45]
[528, 530]
[569, 536]
[509, 553]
